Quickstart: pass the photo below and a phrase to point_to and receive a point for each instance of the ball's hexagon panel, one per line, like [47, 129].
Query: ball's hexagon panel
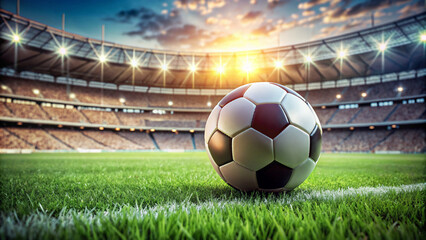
[300, 174]
[236, 116]
[220, 148]
[239, 177]
[252, 149]
[315, 143]
[316, 117]
[269, 119]
[264, 92]
[298, 112]
[211, 124]
[215, 166]
[289, 90]
[234, 94]
[274, 176]
[291, 146]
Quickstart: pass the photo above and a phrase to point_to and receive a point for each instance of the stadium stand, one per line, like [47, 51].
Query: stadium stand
[376, 107]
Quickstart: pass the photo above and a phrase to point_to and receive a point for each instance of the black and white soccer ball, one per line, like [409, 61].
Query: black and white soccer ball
[263, 136]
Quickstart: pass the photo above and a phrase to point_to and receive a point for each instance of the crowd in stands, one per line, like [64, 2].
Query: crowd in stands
[47, 90]
[335, 140]
[407, 140]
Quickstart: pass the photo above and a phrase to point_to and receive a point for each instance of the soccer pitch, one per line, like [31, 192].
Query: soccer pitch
[160, 195]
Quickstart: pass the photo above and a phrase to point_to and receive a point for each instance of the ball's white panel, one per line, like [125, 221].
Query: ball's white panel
[265, 93]
[215, 166]
[291, 146]
[300, 174]
[239, 177]
[298, 112]
[252, 149]
[211, 124]
[316, 116]
[236, 116]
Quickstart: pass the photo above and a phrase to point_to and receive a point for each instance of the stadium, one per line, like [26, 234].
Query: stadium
[103, 140]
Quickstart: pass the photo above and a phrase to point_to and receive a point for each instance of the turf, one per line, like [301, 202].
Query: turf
[178, 195]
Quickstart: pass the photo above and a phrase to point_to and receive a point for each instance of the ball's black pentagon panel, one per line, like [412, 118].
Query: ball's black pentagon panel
[237, 93]
[220, 147]
[315, 143]
[289, 90]
[273, 176]
[269, 119]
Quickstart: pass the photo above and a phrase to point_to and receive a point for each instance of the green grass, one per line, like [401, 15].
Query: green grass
[178, 195]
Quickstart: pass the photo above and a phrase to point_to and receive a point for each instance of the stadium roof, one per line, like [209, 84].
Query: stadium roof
[392, 47]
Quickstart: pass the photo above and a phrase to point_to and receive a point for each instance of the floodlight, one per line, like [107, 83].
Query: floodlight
[342, 54]
[16, 38]
[339, 96]
[191, 130]
[101, 128]
[164, 67]
[308, 59]
[122, 100]
[220, 69]
[364, 94]
[247, 67]
[423, 37]
[72, 95]
[400, 89]
[134, 62]
[4, 87]
[82, 127]
[152, 130]
[382, 47]
[36, 91]
[209, 104]
[278, 64]
[117, 129]
[170, 103]
[371, 127]
[132, 129]
[102, 58]
[193, 68]
[62, 51]
[174, 130]
[60, 126]
[351, 128]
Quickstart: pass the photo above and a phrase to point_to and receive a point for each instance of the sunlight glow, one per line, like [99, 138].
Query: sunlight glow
[278, 64]
[193, 68]
[423, 37]
[220, 69]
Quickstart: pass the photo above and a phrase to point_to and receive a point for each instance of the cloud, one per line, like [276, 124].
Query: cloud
[344, 13]
[311, 3]
[220, 21]
[202, 6]
[251, 16]
[408, 10]
[308, 13]
[264, 30]
[276, 3]
[184, 36]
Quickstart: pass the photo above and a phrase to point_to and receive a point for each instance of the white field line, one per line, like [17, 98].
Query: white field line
[131, 212]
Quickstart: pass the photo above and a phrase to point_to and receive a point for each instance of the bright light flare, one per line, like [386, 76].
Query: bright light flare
[220, 69]
[248, 67]
[102, 58]
[62, 51]
[342, 54]
[72, 95]
[164, 67]
[209, 104]
[134, 62]
[339, 96]
[278, 64]
[170, 103]
[36, 91]
[16, 38]
[382, 47]
[122, 100]
[364, 94]
[308, 59]
[193, 68]
[400, 89]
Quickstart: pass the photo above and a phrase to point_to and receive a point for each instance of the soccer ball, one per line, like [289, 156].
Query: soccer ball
[263, 136]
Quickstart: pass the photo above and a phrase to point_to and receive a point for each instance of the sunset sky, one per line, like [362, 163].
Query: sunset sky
[213, 25]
